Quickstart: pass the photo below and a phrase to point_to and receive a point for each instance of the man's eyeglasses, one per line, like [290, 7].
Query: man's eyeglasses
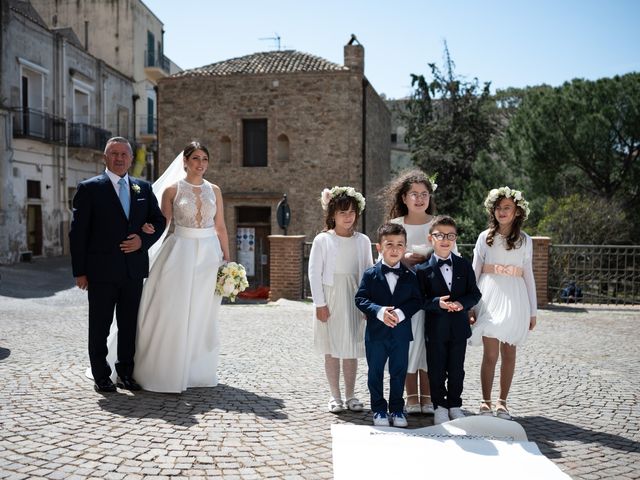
[441, 236]
[416, 195]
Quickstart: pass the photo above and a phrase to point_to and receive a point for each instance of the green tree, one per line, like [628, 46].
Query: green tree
[450, 122]
[579, 219]
[582, 137]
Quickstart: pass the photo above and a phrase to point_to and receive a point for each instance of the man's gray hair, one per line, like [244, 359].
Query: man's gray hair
[118, 140]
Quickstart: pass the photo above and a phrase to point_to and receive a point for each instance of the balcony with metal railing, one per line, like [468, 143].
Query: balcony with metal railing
[146, 127]
[82, 135]
[156, 66]
[38, 125]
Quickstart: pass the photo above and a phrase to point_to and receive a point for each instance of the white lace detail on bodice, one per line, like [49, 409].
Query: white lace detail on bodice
[194, 205]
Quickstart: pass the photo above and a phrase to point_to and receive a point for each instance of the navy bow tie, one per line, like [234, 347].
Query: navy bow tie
[387, 269]
[444, 262]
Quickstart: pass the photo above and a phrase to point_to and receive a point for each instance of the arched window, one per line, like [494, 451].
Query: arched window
[225, 149]
[283, 148]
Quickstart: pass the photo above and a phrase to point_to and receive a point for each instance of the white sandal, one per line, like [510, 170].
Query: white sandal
[501, 410]
[414, 408]
[335, 406]
[485, 408]
[354, 404]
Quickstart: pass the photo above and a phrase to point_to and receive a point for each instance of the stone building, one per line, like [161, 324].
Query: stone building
[128, 36]
[280, 122]
[58, 105]
[400, 153]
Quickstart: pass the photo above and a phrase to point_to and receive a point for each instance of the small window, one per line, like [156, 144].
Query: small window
[225, 149]
[283, 148]
[33, 189]
[394, 138]
[254, 139]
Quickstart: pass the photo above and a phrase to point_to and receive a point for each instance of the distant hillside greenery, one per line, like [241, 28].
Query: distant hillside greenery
[573, 150]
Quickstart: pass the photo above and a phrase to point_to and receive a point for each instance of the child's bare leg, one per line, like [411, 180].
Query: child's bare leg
[349, 369]
[488, 368]
[411, 387]
[425, 388]
[507, 368]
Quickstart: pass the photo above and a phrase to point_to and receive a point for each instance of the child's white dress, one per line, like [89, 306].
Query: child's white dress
[508, 301]
[342, 336]
[417, 243]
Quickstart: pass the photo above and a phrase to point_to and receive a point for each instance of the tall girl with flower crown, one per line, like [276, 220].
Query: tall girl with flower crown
[339, 256]
[502, 261]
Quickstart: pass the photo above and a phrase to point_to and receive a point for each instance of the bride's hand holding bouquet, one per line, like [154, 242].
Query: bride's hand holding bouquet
[232, 279]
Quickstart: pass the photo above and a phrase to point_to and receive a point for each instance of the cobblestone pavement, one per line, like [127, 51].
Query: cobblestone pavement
[576, 393]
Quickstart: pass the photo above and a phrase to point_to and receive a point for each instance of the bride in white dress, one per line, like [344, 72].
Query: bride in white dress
[178, 342]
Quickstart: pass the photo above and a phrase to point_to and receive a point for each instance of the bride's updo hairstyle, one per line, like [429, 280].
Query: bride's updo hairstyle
[192, 147]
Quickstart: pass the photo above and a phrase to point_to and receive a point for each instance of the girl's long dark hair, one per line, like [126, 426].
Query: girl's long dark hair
[339, 203]
[515, 237]
[400, 186]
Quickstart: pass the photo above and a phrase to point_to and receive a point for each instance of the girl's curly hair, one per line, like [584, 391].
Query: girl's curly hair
[392, 194]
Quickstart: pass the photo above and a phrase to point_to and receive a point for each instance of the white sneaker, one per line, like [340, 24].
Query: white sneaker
[441, 415]
[456, 412]
[412, 409]
[399, 420]
[380, 419]
[427, 409]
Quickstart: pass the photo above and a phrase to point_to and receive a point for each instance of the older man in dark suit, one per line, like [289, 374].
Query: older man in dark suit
[109, 257]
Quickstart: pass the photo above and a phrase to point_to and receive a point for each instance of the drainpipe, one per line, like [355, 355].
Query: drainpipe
[365, 85]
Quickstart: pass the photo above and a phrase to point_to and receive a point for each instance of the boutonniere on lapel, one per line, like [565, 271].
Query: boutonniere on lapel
[135, 187]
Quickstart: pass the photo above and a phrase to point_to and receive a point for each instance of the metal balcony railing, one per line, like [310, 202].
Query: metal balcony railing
[36, 124]
[146, 125]
[151, 59]
[87, 136]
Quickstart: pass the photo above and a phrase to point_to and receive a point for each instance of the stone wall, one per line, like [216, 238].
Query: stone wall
[320, 114]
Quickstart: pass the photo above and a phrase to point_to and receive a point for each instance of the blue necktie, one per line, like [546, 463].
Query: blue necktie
[125, 199]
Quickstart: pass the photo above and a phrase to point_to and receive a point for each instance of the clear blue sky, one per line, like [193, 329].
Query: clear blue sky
[507, 42]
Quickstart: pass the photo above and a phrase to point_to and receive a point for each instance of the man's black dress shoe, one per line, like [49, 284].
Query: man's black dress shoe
[104, 385]
[128, 383]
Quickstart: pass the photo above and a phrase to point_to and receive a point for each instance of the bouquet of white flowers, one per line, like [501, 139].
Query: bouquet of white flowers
[232, 279]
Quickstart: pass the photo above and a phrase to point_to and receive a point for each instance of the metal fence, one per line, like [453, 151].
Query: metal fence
[31, 123]
[595, 274]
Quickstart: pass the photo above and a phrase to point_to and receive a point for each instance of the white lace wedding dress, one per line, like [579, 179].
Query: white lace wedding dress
[178, 341]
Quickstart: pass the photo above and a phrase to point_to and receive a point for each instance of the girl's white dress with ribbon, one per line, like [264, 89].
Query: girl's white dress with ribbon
[178, 340]
[508, 301]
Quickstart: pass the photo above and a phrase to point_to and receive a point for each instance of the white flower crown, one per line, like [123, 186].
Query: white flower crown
[506, 192]
[327, 195]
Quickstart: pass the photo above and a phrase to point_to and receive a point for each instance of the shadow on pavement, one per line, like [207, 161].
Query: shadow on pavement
[545, 432]
[43, 277]
[4, 353]
[183, 409]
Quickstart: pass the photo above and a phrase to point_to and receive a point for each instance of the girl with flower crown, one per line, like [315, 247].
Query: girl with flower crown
[409, 202]
[502, 261]
[339, 256]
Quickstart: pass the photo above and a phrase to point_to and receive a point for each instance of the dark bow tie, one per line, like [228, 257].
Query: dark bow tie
[444, 262]
[387, 269]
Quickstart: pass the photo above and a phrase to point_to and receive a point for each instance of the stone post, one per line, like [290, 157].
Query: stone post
[286, 265]
[541, 247]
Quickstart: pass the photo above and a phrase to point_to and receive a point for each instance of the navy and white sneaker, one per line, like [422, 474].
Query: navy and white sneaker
[380, 419]
[399, 420]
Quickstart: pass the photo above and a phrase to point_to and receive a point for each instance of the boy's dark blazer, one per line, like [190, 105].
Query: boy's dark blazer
[441, 325]
[374, 293]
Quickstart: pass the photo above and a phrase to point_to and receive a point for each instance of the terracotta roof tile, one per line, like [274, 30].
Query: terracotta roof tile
[280, 61]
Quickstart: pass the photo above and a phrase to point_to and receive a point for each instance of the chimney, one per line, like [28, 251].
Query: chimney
[354, 55]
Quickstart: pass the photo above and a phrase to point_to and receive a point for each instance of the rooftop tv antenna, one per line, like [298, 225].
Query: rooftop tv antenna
[276, 39]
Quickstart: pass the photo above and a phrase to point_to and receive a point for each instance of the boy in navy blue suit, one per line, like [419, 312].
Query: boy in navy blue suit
[389, 296]
[448, 285]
